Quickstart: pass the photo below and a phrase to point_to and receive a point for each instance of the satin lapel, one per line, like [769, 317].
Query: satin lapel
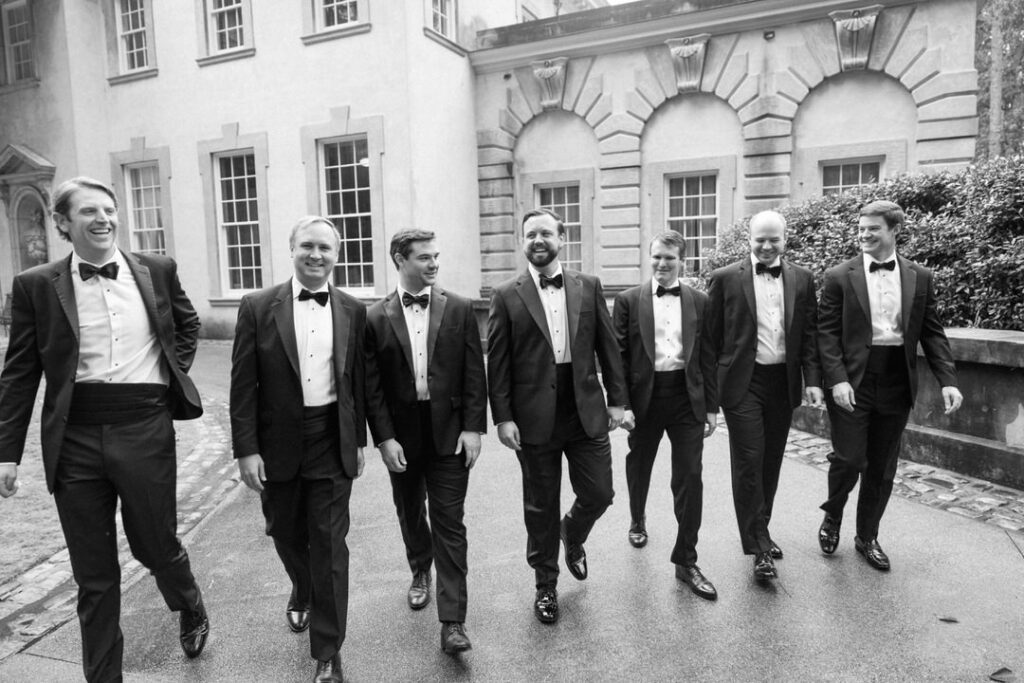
[573, 302]
[747, 284]
[144, 281]
[908, 283]
[859, 282]
[689, 322]
[66, 292]
[342, 318]
[788, 294]
[645, 318]
[396, 316]
[284, 316]
[437, 303]
[527, 291]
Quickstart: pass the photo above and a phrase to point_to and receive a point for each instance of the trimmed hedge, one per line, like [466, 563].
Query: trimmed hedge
[968, 227]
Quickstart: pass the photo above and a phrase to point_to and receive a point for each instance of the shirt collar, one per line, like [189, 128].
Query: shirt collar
[297, 287]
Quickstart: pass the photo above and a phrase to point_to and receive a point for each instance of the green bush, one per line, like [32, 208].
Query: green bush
[968, 227]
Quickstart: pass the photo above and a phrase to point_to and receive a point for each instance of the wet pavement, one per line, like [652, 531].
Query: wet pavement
[951, 609]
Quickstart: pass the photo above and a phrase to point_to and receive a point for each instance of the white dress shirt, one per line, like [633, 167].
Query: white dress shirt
[771, 316]
[553, 300]
[885, 297]
[314, 337]
[416, 322]
[668, 330]
[116, 342]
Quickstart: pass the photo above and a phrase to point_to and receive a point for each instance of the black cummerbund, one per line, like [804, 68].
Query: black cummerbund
[669, 383]
[319, 419]
[887, 360]
[565, 392]
[97, 403]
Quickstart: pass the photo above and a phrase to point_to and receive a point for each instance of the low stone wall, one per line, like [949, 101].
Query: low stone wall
[985, 438]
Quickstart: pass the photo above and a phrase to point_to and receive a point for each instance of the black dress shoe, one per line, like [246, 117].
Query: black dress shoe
[328, 670]
[764, 566]
[699, 584]
[638, 533]
[545, 606]
[776, 551]
[195, 627]
[297, 616]
[419, 591]
[575, 555]
[453, 638]
[872, 552]
[828, 534]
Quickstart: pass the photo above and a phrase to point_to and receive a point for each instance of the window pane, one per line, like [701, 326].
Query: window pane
[565, 201]
[239, 226]
[693, 212]
[347, 202]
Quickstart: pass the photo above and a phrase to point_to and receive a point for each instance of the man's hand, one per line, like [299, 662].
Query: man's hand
[8, 479]
[615, 415]
[360, 461]
[508, 434]
[392, 454]
[815, 396]
[628, 420]
[710, 424]
[469, 442]
[842, 394]
[250, 467]
[952, 398]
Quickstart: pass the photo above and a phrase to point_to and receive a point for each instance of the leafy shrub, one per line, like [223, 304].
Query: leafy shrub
[968, 227]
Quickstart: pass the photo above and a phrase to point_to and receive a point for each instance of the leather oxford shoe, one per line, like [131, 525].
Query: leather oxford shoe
[575, 555]
[764, 566]
[419, 591]
[638, 533]
[699, 584]
[776, 551]
[453, 638]
[545, 606]
[828, 534]
[195, 627]
[328, 670]
[297, 616]
[872, 552]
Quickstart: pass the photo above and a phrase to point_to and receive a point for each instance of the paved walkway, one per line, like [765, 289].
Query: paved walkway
[949, 610]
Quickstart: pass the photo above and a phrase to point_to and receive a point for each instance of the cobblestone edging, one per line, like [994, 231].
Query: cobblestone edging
[44, 597]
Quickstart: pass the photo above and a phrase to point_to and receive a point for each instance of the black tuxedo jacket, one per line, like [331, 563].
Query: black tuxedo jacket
[844, 325]
[44, 341]
[455, 370]
[266, 389]
[633, 319]
[521, 363]
[734, 329]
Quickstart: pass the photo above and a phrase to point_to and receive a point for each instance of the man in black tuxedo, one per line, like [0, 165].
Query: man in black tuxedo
[763, 321]
[544, 329]
[669, 366]
[114, 335]
[875, 309]
[423, 349]
[298, 429]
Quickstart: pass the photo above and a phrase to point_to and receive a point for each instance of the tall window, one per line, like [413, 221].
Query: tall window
[238, 220]
[131, 30]
[565, 201]
[17, 38]
[443, 17]
[145, 208]
[226, 26]
[346, 199]
[693, 212]
[840, 178]
[339, 12]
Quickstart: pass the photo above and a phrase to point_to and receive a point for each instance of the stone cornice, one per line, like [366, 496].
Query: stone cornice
[717, 21]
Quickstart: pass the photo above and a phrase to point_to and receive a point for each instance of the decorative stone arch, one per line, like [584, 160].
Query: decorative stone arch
[26, 179]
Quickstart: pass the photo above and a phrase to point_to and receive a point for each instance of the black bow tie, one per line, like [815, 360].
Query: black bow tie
[888, 265]
[661, 291]
[555, 281]
[319, 297]
[408, 299]
[88, 270]
[774, 271]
